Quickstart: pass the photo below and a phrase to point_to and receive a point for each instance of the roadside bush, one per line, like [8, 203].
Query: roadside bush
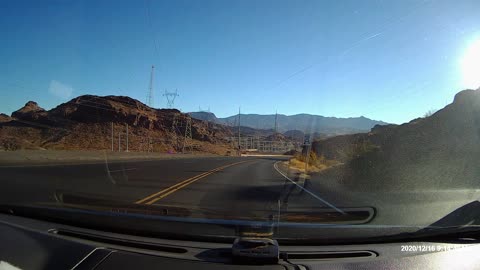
[312, 158]
[10, 144]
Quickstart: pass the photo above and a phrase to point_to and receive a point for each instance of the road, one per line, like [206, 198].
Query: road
[223, 187]
[216, 187]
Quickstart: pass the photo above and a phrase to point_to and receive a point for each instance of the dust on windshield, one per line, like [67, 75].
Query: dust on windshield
[362, 114]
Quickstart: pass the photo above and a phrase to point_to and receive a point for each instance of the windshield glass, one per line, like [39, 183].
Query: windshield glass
[280, 114]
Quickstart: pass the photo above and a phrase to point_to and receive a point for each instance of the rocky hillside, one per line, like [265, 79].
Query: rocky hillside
[85, 123]
[439, 151]
[4, 118]
[206, 116]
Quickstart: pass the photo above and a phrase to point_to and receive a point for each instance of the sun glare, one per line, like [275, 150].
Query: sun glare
[470, 65]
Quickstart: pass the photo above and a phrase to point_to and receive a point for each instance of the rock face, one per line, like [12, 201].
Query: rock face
[31, 111]
[4, 118]
[205, 116]
[85, 122]
[440, 151]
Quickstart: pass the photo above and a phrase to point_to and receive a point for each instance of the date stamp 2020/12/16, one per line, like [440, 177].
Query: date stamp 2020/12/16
[429, 248]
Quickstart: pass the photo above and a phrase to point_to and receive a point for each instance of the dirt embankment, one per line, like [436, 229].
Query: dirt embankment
[439, 151]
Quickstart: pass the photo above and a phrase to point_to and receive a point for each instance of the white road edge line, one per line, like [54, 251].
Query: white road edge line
[306, 190]
[88, 255]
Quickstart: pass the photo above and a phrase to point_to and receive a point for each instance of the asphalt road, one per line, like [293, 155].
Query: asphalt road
[217, 187]
[220, 187]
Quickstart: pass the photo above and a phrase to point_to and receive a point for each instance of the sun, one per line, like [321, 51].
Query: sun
[470, 65]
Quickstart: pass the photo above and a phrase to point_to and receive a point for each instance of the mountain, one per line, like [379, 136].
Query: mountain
[205, 116]
[435, 152]
[4, 118]
[86, 123]
[297, 135]
[31, 111]
[303, 122]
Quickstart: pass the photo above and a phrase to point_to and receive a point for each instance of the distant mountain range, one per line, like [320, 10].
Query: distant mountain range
[299, 122]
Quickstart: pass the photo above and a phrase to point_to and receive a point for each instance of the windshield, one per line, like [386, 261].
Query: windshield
[282, 116]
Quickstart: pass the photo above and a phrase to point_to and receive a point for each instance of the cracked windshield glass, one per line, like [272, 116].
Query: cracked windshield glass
[307, 120]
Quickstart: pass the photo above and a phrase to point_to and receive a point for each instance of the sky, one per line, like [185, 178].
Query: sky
[385, 60]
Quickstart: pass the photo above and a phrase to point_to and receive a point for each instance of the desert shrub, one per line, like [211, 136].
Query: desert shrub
[312, 157]
[10, 144]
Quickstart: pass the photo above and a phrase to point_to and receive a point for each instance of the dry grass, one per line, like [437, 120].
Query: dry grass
[315, 164]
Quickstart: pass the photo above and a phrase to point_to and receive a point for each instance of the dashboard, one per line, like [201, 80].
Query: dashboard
[35, 244]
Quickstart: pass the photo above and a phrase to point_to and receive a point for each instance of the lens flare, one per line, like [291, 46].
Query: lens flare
[470, 65]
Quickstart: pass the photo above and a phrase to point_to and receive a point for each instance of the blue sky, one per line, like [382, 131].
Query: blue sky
[386, 60]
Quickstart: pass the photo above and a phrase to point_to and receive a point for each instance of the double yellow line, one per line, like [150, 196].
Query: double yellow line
[164, 193]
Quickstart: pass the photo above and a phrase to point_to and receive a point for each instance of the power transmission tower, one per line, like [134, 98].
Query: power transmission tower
[171, 98]
[150, 90]
[187, 142]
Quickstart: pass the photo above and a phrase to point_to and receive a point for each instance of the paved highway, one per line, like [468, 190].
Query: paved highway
[216, 187]
[223, 187]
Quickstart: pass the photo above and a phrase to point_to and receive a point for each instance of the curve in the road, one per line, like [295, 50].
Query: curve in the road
[165, 192]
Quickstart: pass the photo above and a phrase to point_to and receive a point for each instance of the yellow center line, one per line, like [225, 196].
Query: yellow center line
[165, 192]
[182, 184]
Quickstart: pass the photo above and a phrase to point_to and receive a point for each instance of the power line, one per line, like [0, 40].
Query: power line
[149, 21]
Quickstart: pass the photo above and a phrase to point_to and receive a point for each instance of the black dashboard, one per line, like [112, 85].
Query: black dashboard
[34, 244]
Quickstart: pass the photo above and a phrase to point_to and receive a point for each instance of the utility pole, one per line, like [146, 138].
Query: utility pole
[188, 134]
[239, 129]
[308, 144]
[276, 126]
[174, 131]
[127, 137]
[150, 101]
[112, 136]
[119, 134]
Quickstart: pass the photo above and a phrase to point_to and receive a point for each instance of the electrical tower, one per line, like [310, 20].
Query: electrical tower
[187, 142]
[200, 109]
[171, 98]
[150, 90]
